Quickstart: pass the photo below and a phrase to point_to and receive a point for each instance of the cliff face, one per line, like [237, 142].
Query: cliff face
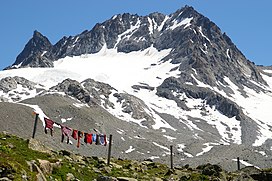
[36, 53]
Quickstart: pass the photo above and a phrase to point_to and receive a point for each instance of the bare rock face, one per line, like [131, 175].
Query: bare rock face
[89, 91]
[16, 88]
[36, 53]
[99, 92]
[135, 107]
[74, 89]
[226, 106]
[9, 83]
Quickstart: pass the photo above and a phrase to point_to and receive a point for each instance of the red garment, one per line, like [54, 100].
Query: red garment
[74, 134]
[48, 124]
[105, 140]
[88, 138]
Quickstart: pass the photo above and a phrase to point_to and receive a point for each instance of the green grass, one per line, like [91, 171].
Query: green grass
[14, 154]
[84, 173]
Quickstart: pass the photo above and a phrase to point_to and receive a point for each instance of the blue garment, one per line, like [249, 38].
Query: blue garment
[102, 139]
[94, 138]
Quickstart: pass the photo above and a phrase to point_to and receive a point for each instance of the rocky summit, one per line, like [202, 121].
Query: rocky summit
[195, 42]
[151, 82]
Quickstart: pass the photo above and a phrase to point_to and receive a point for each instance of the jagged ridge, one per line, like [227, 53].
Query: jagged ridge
[197, 45]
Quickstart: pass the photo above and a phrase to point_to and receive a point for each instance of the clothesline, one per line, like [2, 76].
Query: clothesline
[89, 138]
[99, 139]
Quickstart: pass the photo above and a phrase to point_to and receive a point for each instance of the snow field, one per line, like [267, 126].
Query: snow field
[122, 70]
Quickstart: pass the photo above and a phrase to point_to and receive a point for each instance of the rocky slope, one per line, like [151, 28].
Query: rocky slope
[31, 160]
[82, 108]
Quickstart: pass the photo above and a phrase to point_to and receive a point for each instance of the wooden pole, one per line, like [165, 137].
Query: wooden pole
[238, 163]
[171, 156]
[35, 125]
[109, 151]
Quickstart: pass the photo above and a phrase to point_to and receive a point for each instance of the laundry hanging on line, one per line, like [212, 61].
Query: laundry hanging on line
[89, 138]
[79, 135]
[48, 125]
[74, 134]
[66, 131]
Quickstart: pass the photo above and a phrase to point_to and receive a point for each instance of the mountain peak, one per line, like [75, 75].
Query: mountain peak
[185, 12]
[40, 39]
[35, 53]
[36, 33]
[187, 7]
[195, 41]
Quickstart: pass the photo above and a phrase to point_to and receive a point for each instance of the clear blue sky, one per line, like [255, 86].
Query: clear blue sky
[247, 22]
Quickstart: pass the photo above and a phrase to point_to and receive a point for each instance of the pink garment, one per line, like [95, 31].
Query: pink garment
[66, 131]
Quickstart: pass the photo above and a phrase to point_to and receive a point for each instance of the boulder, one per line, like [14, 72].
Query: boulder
[126, 179]
[38, 146]
[69, 177]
